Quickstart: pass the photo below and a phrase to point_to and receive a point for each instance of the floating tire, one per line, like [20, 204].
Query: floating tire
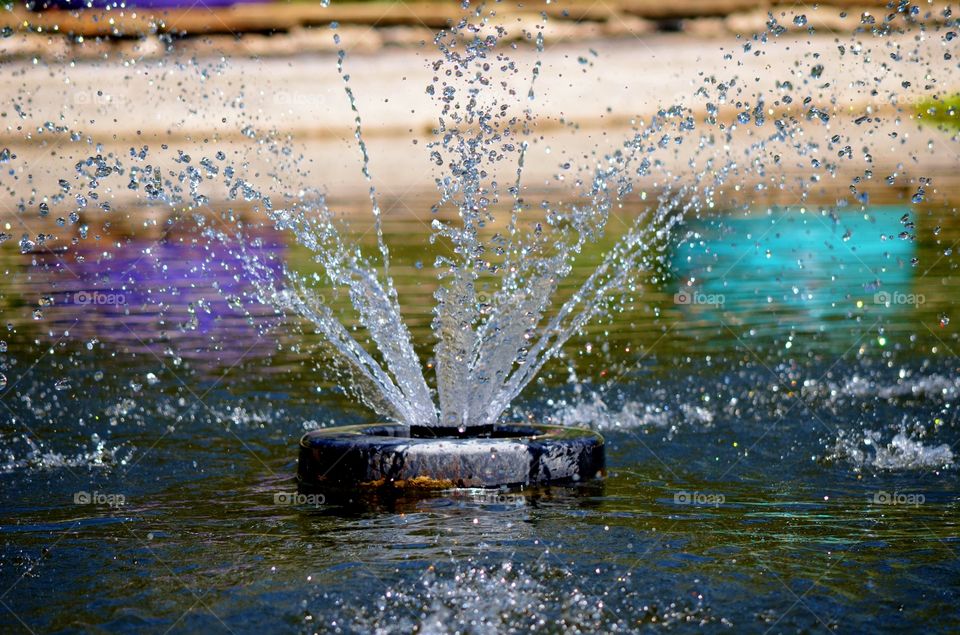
[419, 457]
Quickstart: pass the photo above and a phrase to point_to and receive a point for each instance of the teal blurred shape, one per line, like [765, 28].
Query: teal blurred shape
[814, 263]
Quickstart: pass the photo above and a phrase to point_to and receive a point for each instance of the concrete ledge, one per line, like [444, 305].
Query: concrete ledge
[273, 29]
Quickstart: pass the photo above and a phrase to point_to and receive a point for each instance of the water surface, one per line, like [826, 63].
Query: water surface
[781, 446]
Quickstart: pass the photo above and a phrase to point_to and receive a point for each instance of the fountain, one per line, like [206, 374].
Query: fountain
[750, 295]
[497, 320]
[497, 291]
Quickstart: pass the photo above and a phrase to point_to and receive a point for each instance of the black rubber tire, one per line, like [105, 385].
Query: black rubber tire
[385, 455]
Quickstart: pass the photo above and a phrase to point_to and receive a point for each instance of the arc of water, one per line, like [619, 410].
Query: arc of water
[619, 263]
[378, 301]
[456, 312]
[377, 308]
[306, 304]
[365, 169]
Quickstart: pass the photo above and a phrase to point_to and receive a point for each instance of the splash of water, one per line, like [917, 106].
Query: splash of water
[867, 449]
[497, 321]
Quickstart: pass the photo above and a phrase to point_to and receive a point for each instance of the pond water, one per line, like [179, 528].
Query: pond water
[779, 404]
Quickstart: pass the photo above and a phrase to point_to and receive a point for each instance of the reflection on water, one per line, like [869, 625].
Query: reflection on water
[785, 280]
[150, 297]
[809, 265]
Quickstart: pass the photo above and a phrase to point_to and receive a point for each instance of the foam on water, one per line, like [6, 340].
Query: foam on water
[593, 412]
[933, 387]
[868, 449]
[508, 597]
[35, 457]
[241, 416]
